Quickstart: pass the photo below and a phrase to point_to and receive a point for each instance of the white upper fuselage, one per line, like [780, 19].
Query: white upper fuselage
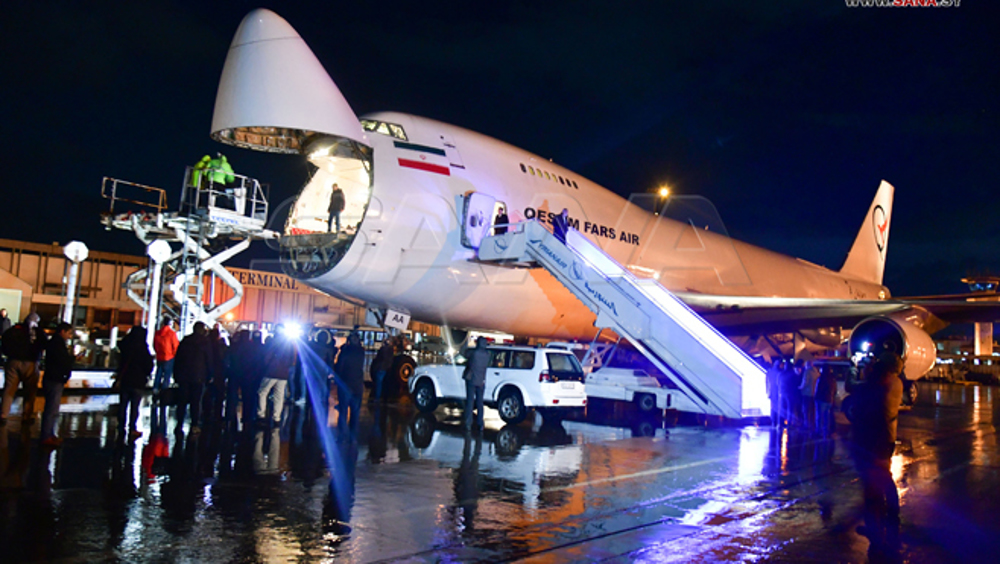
[408, 254]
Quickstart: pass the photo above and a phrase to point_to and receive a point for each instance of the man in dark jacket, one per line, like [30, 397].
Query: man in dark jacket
[560, 225]
[791, 377]
[350, 374]
[826, 392]
[337, 205]
[5, 322]
[239, 367]
[22, 345]
[215, 387]
[58, 367]
[135, 366]
[772, 381]
[280, 355]
[475, 382]
[381, 365]
[192, 368]
[500, 222]
[873, 431]
[326, 353]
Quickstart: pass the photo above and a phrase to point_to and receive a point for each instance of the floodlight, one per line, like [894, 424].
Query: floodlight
[293, 330]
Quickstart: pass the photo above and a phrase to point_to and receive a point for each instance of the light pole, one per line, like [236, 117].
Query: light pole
[76, 252]
[158, 251]
[663, 193]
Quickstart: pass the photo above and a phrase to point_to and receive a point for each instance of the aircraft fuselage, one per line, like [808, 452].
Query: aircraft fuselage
[408, 254]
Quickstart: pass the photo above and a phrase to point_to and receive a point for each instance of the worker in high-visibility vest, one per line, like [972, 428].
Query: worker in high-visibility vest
[219, 173]
[222, 172]
[197, 170]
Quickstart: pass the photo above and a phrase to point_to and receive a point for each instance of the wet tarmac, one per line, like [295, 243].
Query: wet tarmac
[414, 488]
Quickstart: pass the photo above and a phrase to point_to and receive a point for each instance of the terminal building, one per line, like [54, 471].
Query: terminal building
[32, 279]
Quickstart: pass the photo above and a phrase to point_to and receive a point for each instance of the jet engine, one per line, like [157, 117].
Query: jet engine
[902, 333]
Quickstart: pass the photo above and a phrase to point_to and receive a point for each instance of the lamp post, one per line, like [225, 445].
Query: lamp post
[158, 251]
[663, 193]
[76, 252]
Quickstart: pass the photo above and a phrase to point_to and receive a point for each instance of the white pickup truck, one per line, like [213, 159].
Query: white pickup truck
[519, 378]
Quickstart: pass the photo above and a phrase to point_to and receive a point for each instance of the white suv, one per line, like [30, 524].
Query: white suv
[518, 378]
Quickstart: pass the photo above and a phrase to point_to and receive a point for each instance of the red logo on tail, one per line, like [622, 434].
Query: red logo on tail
[880, 223]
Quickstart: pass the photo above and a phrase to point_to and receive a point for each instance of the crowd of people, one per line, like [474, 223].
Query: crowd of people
[243, 382]
[802, 395]
[247, 380]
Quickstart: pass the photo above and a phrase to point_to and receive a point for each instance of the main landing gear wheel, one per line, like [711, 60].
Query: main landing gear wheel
[511, 406]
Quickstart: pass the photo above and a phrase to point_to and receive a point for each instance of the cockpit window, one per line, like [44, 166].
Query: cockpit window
[397, 131]
[385, 128]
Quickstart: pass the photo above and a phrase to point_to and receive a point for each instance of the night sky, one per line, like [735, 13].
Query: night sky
[786, 115]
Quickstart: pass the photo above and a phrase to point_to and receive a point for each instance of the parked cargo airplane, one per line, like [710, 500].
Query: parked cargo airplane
[419, 194]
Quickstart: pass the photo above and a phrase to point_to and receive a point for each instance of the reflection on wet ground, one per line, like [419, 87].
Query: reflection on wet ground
[416, 488]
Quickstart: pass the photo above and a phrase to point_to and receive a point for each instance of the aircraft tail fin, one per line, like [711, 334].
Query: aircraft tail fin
[866, 261]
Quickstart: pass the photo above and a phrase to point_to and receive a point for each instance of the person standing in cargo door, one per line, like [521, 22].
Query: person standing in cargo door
[337, 205]
[475, 383]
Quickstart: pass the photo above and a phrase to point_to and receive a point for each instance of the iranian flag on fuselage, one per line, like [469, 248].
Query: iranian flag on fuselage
[422, 157]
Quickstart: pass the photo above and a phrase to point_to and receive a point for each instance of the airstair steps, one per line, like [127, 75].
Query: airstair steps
[715, 375]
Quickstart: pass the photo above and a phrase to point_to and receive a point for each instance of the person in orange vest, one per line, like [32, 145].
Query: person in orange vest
[165, 345]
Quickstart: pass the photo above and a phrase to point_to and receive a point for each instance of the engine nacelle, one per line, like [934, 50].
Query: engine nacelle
[898, 333]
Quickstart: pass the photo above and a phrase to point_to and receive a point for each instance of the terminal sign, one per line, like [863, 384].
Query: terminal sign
[265, 280]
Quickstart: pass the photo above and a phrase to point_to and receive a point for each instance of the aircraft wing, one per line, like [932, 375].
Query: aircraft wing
[741, 315]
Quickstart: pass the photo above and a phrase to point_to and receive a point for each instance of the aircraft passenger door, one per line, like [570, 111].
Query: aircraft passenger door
[477, 218]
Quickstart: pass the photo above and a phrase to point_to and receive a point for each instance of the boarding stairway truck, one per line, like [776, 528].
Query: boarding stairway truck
[712, 375]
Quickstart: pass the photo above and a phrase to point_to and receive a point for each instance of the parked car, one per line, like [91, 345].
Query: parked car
[519, 378]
